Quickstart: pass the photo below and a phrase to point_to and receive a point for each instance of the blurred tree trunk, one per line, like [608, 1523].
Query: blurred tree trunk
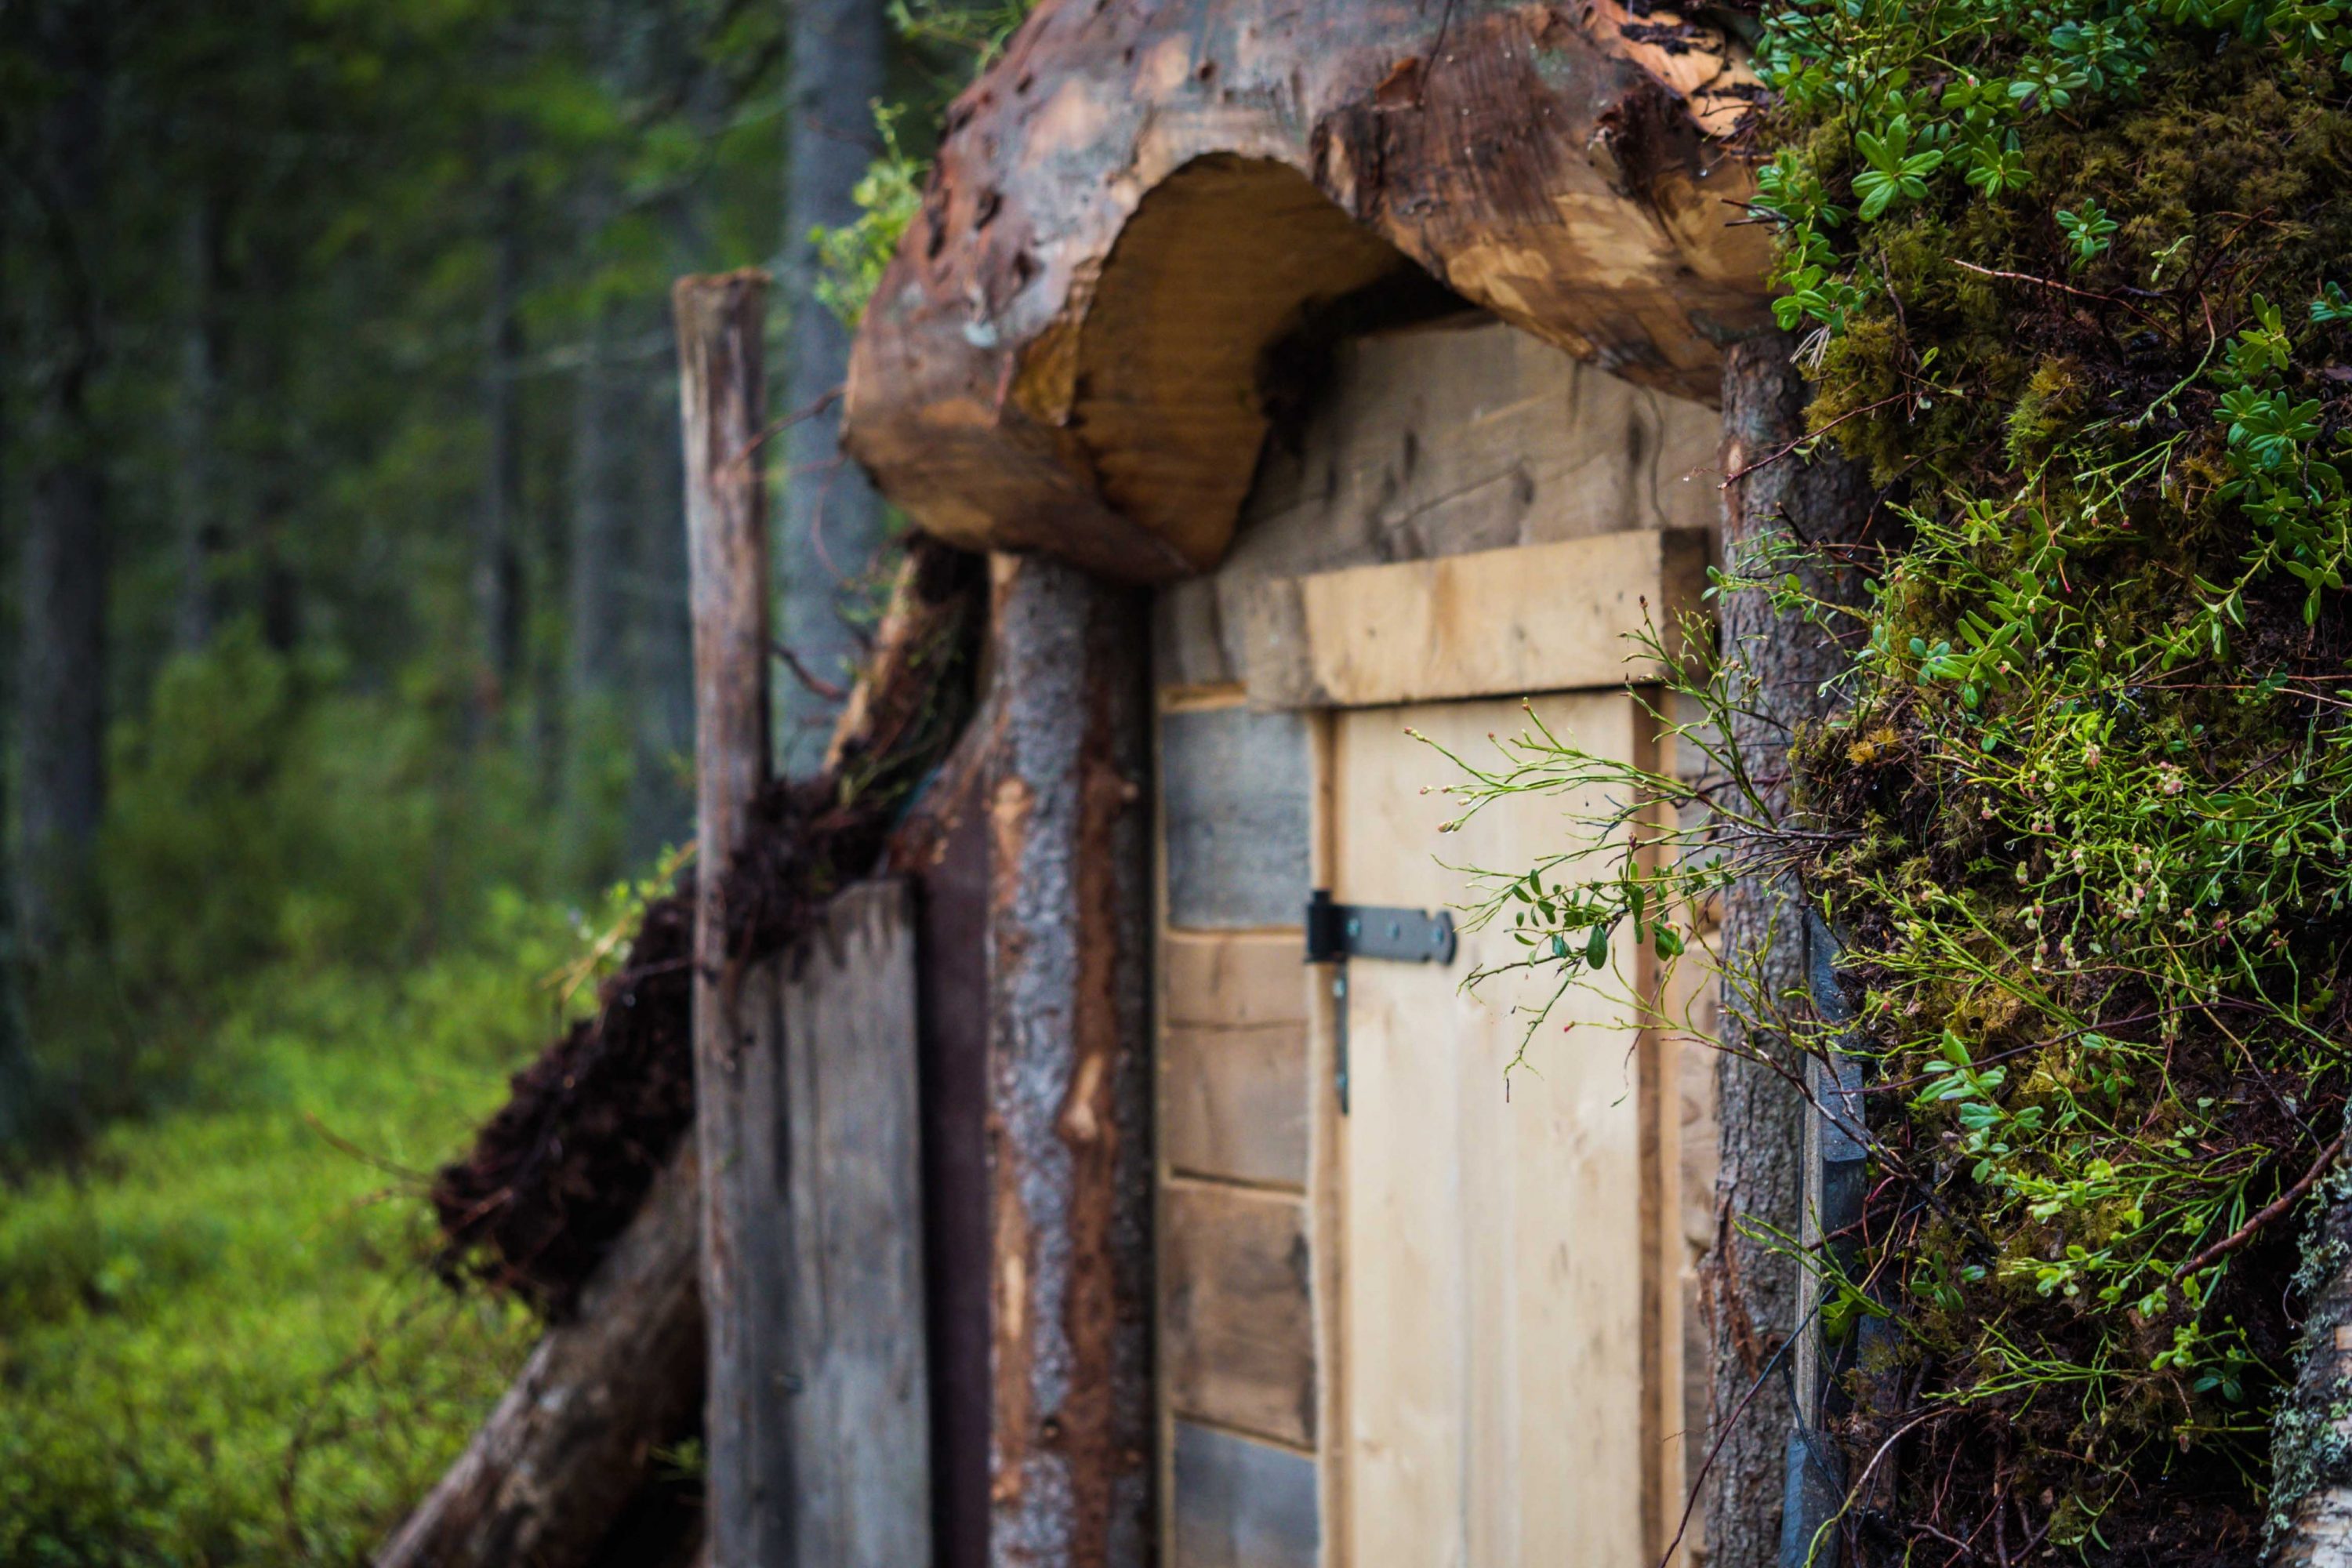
[196, 522]
[832, 518]
[605, 495]
[498, 555]
[62, 573]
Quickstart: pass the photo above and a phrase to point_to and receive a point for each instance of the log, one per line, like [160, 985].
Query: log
[2311, 1460]
[1136, 202]
[1065, 728]
[569, 1444]
[1776, 665]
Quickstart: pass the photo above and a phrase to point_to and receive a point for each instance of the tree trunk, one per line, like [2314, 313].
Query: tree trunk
[572, 1441]
[498, 556]
[832, 523]
[195, 524]
[62, 573]
[1775, 665]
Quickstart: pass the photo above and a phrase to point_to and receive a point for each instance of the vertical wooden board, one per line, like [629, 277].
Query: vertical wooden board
[856, 1387]
[1234, 790]
[1241, 1504]
[1496, 1250]
[1238, 1334]
[1232, 1102]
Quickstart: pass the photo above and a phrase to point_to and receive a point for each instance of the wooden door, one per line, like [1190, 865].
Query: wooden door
[1499, 1311]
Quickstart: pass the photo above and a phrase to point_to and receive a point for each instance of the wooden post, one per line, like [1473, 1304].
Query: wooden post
[722, 396]
[806, 1105]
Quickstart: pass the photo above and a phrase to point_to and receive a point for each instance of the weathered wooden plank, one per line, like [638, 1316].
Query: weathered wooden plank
[1234, 790]
[1241, 1504]
[1234, 980]
[859, 1433]
[1441, 439]
[1239, 1342]
[1232, 1102]
[745, 1287]
[1543, 618]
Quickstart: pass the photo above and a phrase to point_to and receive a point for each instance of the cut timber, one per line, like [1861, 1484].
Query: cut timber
[858, 1440]
[1239, 1334]
[571, 1442]
[1243, 1504]
[745, 1284]
[1548, 617]
[1136, 202]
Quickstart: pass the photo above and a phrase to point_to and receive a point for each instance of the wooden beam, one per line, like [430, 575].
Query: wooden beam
[1136, 202]
[1495, 623]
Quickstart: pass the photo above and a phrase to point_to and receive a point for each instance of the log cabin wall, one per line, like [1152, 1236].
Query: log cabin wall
[1455, 447]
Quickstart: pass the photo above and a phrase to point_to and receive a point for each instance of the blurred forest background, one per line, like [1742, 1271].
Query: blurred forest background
[350, 696]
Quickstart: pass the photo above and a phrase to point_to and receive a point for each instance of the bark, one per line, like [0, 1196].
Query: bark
[831, 522]
[1776, 664]
[1137, 201]
[62, 571]
[2311, 1460]
[1069, 1167]
[573, 1440]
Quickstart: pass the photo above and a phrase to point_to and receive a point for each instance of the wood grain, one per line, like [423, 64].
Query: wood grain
[1234, 980]
[1234, 790]
[1553, 617]
[1135, 202]
[737, 1051]
[859, 1436]
[1237, 1335]
[571, 1440]
[1241, 1504]
[1497, 1259]
[1232, 1102]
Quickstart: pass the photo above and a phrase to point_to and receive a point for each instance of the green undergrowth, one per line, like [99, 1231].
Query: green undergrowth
[2070, 281]
[219, 1341]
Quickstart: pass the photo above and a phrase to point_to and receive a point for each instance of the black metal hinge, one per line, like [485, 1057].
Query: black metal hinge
[1336, 932]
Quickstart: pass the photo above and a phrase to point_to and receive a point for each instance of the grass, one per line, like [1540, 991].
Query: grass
[219, 1343]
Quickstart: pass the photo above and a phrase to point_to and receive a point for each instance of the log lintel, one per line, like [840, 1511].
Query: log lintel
[1138, 201]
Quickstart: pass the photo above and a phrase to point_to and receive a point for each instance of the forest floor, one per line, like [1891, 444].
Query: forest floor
[219, 1341]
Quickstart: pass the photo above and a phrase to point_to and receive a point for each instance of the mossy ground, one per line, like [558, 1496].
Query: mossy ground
[219, 1339]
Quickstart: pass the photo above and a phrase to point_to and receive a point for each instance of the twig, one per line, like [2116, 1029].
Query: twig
[2263, 1216]
[1746, 468]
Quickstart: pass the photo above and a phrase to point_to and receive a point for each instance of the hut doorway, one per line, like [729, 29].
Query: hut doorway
[1406, 1321]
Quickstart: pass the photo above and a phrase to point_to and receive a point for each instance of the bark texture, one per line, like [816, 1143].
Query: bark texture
[1778, 663]
[1138, 200]
[831, 524]
[2311, 1458]
[1068, 1074]
[571, 1443]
